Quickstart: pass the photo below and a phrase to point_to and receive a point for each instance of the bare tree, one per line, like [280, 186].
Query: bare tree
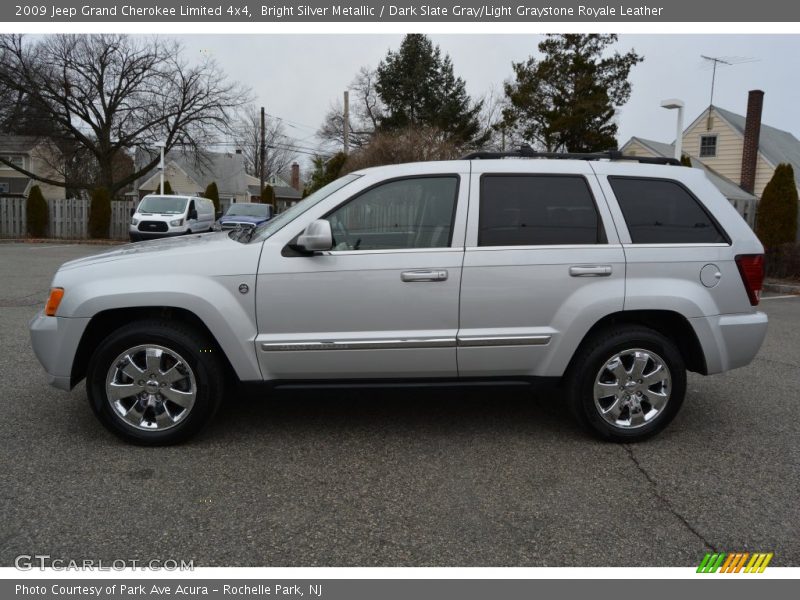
[365, 112]
[491, 120]
[280, 147]
[108, 95]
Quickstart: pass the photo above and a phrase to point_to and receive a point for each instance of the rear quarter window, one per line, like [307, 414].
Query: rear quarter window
[661, 211]
[534, 210]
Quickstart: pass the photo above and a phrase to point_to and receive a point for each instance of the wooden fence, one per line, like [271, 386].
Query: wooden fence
[68, 218]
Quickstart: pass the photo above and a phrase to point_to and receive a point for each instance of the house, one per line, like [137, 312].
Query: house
[286, 194]
[36, 155]
[739, 153]
[190, 173]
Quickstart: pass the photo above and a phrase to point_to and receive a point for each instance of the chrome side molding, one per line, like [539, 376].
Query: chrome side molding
[392, 344]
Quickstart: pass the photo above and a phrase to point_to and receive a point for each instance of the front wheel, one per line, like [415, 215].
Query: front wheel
[154, 382]
[626, 384]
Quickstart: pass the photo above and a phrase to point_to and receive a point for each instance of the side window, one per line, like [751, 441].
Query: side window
[406, 213]
[660, 211]
[532, 210]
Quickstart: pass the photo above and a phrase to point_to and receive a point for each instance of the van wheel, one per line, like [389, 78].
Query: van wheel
[155, 382]
[626, 384]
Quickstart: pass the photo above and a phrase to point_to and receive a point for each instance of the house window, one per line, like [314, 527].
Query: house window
[15, 159]
[3, 187]
[708, 146]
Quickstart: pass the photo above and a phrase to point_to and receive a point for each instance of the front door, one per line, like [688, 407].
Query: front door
[383, 303]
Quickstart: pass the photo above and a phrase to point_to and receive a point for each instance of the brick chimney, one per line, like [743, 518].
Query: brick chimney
[752, 132]
[296, 176]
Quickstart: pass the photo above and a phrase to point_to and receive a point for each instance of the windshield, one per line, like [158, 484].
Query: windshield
[265, 230]
[248, 210]
[169, 205]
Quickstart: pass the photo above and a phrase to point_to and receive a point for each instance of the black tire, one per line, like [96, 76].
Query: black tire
[197, 352]
[585, 370]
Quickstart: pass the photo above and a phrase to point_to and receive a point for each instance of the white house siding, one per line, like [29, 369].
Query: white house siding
[179, 181]
[730, 143]
[36, 161]
[634, 148]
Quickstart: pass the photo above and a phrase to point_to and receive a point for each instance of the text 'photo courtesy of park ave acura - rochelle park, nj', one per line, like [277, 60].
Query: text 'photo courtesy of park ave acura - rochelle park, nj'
[398, 300]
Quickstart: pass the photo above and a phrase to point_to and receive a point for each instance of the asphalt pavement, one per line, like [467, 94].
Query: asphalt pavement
[477, 477]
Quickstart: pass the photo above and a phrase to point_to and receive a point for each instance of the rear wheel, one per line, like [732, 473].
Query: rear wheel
[626, 384]
[154, 382]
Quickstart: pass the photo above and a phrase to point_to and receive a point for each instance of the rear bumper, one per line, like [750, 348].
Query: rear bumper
[55, 341]
[730, 341]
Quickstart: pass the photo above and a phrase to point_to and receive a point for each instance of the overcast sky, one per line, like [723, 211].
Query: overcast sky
[296, 77]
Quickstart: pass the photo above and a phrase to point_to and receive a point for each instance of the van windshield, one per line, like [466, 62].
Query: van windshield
[168, 205]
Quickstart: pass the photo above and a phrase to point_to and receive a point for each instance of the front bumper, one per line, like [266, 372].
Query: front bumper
[55, 342]
[138, 236]
[730, 341]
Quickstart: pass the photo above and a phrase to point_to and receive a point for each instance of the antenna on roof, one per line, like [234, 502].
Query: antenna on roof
[723, 60]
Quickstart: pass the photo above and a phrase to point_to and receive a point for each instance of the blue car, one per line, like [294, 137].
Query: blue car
[245, 216]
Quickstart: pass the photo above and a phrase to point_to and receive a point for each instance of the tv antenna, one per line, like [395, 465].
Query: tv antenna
[728, 61]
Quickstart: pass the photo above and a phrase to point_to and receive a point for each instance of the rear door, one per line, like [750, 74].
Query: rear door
[542, 264]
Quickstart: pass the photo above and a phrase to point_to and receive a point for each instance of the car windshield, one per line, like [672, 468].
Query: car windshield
[265, 230]
[248, 210]
[168, 205]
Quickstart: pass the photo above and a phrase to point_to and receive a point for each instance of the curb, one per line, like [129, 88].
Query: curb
[781, 288]
[59, 241]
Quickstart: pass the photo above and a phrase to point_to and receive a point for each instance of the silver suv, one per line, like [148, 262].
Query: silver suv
[607, 276]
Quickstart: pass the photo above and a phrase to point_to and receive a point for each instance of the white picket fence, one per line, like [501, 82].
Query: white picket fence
[69, 218]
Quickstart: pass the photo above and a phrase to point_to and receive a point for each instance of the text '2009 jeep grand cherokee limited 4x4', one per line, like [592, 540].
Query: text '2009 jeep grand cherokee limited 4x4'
[613, 276]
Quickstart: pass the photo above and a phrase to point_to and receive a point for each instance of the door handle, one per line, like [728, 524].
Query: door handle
[590, 271]
[411, 276]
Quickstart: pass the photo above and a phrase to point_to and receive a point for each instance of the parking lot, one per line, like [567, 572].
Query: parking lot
[478, 477]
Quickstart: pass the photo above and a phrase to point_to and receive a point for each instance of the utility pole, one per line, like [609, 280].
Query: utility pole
[161, 146]
[346, 126]
[262, 155]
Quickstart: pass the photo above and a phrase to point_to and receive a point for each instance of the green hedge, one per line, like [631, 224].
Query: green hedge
[37, 213]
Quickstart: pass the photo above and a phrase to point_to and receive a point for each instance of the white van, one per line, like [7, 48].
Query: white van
[165, 216]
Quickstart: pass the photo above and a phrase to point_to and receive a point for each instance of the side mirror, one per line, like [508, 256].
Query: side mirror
[133, 211]
[192, 214]
[317, 237]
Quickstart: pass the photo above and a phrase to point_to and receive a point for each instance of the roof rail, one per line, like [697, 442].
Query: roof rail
[527, 152]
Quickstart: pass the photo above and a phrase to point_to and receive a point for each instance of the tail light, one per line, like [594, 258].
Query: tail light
[751, 268]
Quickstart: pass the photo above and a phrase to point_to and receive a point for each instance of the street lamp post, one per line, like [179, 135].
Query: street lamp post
[161, 145]
[671, 104]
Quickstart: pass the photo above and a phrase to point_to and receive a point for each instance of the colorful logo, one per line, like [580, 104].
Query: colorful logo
[735, 562]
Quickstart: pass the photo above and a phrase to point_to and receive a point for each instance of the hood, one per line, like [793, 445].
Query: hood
[161, 251]
[242, 219]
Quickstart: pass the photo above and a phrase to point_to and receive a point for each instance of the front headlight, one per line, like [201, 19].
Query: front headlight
[176, 222]
[134, 222]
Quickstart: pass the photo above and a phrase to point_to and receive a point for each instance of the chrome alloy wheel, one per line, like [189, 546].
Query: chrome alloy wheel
[151, 387]
[632, 388]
